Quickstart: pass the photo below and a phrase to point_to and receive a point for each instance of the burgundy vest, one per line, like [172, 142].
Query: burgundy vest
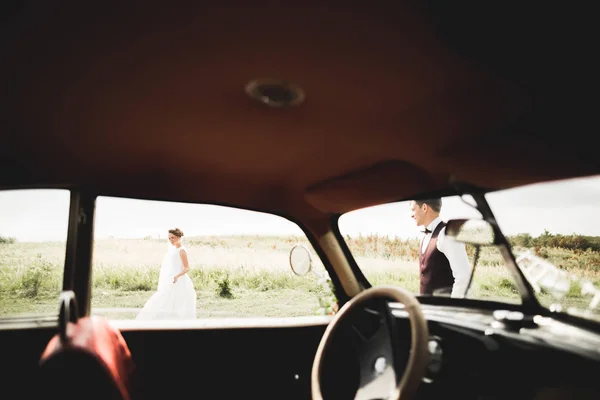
[434, 266]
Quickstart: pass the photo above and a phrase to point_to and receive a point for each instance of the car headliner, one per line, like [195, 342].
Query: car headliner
[146, 100]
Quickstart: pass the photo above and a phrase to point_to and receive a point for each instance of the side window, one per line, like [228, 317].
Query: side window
[236, 264]
[33, 235]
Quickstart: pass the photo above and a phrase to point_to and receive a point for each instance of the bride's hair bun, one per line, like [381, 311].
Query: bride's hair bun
[176, 231]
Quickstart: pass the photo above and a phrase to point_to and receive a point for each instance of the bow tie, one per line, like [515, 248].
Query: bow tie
[426, 231]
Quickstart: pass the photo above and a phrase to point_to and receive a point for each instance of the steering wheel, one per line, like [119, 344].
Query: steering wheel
[378, 355]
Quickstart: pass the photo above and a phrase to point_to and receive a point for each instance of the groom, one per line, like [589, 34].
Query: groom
[443, 262]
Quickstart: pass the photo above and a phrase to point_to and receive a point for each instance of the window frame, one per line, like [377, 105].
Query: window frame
[77, 268]
[528, 303]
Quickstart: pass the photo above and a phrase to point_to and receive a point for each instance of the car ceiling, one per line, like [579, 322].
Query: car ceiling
[146, 99]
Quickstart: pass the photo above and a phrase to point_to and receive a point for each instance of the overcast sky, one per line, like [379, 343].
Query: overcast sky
[39, 215]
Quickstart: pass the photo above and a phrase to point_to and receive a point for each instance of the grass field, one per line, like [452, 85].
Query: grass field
[239, 276]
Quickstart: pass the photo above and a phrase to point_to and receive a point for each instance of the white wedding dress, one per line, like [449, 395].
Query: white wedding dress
[171, 300]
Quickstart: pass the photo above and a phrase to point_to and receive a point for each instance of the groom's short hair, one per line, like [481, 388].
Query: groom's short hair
[435, 203]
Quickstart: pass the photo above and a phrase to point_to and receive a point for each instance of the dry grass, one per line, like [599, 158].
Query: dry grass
[237, 275]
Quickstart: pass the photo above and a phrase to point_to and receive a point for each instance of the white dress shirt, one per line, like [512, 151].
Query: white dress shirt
[456, 254]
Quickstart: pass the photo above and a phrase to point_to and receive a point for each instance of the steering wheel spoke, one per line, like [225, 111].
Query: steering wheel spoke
[376, 358]
[376, 341]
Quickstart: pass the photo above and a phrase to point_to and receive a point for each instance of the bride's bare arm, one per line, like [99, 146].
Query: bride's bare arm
[186, 265]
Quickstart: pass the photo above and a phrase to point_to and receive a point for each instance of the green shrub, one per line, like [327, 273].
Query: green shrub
[7, 240]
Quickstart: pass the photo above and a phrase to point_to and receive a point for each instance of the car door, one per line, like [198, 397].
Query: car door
[257, 328]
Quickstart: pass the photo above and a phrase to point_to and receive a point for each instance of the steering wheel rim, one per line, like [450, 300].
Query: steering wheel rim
[419, 354]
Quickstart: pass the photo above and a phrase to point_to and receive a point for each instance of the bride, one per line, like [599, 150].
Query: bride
[175, 297]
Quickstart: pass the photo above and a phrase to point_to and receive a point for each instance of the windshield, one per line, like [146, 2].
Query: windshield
[391, 247]
[553, 230]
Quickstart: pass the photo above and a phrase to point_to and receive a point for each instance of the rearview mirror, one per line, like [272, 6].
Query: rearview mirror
[300, 260]
[472, 231]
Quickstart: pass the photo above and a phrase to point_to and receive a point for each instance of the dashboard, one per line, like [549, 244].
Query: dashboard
[484, 354]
